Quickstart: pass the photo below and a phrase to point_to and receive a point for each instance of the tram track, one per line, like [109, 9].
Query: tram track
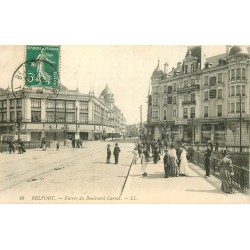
[44, 169]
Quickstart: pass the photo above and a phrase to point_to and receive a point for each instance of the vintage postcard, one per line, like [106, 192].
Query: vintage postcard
[124, 124]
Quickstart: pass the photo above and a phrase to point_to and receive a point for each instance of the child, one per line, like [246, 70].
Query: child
[57, 145]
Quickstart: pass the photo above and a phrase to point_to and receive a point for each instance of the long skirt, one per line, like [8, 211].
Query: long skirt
[226, 185]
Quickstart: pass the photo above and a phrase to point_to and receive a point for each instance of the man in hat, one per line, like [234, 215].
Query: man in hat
[108, 154]
[207, 157]
[116, 153]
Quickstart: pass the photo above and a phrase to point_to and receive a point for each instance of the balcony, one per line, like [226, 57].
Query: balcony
[189, 89]
[189, 102]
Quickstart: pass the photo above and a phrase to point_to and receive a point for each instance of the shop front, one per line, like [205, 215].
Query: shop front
[220, 133]
[206, 133]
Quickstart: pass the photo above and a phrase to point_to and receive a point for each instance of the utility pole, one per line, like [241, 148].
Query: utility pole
[240, 122]
[141, 122]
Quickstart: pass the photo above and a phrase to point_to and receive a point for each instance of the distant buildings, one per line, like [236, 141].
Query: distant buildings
[71, 114]
[200, 99]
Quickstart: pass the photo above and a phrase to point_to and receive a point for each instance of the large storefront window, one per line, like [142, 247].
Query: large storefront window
[219, 133]
[83, 118]
[70, 117]
[50, 116]
[187, 133]
[36, 103]
[60, 117]
[206, 133]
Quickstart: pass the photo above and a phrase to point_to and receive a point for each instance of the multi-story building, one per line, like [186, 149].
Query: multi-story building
[202, 99]
[71, 114]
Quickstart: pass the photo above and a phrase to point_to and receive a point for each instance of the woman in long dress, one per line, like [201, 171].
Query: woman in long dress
[144, 162]
[184, 170]
[136, 156]
[226, 173]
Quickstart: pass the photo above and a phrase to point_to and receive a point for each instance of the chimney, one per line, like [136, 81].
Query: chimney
[166, 68]
[228, 47]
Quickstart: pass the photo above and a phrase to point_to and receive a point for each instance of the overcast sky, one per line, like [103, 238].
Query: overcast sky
[126, 69]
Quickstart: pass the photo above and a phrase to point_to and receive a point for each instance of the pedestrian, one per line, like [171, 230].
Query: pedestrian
[57, 145]
[43, 144]
[139, 149]
[116, 153]
[21, 146]
[183, 162]
[144, 162]
[174, 169]
[108, 154]
[207, 157]
[217, 146]
[211, 145]
[226, 173]
[135, 157]
[81, 142]
[166, 164]
[156, 154]
[11, 147]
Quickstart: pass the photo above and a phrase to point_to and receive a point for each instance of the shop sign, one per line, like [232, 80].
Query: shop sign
[180, 121]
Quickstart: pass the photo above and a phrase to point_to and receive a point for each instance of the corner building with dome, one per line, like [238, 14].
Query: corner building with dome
[199, 100]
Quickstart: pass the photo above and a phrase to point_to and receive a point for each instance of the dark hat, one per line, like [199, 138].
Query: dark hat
[108, 145]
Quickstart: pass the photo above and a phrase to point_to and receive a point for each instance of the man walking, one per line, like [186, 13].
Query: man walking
[207, 157]
[116, 153]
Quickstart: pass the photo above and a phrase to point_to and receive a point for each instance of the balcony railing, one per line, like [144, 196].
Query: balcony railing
[189, 89]
[189, 102]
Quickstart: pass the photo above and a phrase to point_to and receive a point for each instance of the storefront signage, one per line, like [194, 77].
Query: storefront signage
[180, 121]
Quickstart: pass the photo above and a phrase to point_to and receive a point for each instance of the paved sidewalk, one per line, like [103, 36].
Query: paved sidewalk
[184, 189]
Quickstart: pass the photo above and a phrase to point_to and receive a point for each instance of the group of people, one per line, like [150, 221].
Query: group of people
[116, 152]
[13, 145]
[176, 158]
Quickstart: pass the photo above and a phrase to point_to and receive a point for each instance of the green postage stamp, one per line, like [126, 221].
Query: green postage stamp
[43, 67]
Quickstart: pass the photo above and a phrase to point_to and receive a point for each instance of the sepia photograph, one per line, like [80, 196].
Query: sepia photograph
[124, 124]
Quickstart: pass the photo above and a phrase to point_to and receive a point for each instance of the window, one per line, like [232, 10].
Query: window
[12, 104]
[238, 73]
[19, 115]
[4, 117]
[206, 80]
[219, 110]
[238, 90]
[185, 113]
[219, 93]
[169, 89]
[60, 104]
[205, 95]
[228, 91]
[36, 103]
[60, 117]
[165, 101]
[243, 90]
[70, 105]
[186, 69]
[156, 89]
[243, 107]
[50, 104]
[193, 97]
[12, 116]
[220, 77]
[35, 116]
[237, 107]
[50, 116]
[185, 98]
[155, 114]
[165, 115]
[228, 107]
[174, 87]
[243, 73]
[83, 118]
[169, 100]
[174, 112]
[5, 104]
[185, 84]
[232, 91]
[192, 82]
[1, 104]
[19, 103]
[232, 107]
[155, 102]
[205, 111]
[192, 67]
[165, 88]
[70, 117]
[232, 73]
[83, 105]
[192, 112]
[174, 99]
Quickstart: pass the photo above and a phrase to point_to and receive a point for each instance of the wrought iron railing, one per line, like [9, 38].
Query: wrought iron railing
[241, 174]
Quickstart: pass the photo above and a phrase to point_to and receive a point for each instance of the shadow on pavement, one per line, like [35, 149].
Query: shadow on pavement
[215, 191]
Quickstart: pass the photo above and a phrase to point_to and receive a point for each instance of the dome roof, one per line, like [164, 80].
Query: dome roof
[107, 93]
[235, 50]
[158, 71]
